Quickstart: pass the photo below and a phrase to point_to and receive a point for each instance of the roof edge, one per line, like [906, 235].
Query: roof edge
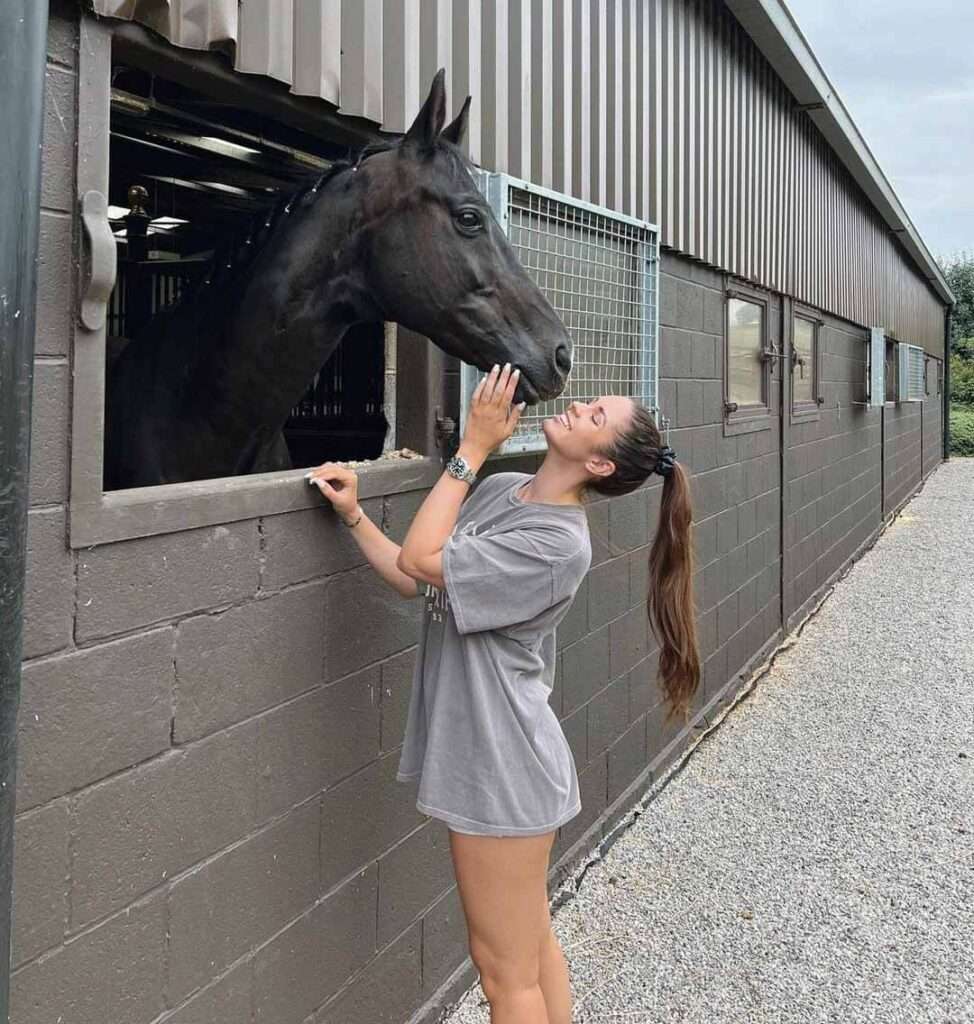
[776, 33]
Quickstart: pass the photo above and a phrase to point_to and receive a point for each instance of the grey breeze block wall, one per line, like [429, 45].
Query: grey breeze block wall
[209, 829]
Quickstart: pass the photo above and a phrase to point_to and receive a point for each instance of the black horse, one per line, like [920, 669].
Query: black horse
[403, 235]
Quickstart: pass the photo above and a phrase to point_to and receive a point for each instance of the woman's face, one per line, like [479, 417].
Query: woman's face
[586, 429]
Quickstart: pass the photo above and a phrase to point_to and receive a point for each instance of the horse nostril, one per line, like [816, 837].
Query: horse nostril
[563, 358]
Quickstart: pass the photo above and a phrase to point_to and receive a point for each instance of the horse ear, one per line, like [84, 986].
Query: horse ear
[457, 128]
[429, 120]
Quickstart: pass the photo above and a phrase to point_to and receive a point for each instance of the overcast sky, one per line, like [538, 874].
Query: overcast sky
[905, 72]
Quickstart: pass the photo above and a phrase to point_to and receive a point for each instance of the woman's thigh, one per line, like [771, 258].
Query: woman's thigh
[502, 881]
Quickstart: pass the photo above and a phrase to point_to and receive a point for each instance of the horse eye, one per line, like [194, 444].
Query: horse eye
[469, 219]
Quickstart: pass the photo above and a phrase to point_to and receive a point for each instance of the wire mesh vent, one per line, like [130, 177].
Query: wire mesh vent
[599, 270]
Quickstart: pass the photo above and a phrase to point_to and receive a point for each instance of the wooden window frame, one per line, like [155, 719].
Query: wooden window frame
[803, 412]
[98, 516]
[750, 418]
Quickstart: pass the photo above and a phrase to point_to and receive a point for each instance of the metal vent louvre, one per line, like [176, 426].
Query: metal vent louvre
[599, 270]
[911, 386]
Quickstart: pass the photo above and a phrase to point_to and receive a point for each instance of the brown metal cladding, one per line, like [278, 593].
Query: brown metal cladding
[662, 109]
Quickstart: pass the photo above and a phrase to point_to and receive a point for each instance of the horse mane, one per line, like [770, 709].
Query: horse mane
[234, 258]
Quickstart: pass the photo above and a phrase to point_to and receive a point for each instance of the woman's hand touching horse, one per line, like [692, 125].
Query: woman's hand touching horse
[492, 418]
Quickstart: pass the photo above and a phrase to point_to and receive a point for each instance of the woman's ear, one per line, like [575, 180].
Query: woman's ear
[600, 466]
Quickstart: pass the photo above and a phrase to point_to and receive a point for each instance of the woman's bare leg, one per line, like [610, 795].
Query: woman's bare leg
[555, 983]
[502, 881]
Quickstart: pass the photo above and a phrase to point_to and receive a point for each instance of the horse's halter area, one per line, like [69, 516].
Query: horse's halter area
[213, 175]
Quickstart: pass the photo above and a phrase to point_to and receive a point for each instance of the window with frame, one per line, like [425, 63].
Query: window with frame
[747, 369]
[804, 364]
[209, 150]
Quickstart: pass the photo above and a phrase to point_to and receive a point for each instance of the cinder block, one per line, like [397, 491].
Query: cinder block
[598, 528]
[734, 484]
[703, 362]
[49, 599]
[311, 743]
[232, 665]
[140, 828]
[592, 786]
[608, 715]
[399, 512]
[713, 313]
[412, 876]
[138, 582]
[668, 301]
[660, 734]
[300, 546]
[309, 962]
[727, 618]
[396, 682]
[704, 449]
[363, 816]
[689, 306]
[639, 577]
[240, 899]
[444, 941]
[627, 758]
[87, 714]
[629, 521]
[60, 139]
[40, 901]
[628, 638]
[675, 353]
[726, 531]
[367, 621]
[575, 728]
[55, 280]
[586, 668]
[705, 541]
[226, 1001]
[575, 622]
[387, 991]
[110, 975]
[608, 591]
[49, 433]
[643, 685]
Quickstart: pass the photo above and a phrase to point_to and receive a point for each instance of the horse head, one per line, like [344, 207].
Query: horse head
[440, 264]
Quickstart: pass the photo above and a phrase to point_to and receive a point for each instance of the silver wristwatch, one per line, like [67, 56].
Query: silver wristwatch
[459, 468]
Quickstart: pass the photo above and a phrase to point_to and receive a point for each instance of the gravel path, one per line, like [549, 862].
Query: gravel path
[813, 860]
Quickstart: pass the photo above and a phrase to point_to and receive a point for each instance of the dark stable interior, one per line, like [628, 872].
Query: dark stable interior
[209, 171]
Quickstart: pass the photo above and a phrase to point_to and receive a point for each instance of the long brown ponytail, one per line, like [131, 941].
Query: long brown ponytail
[637, 453]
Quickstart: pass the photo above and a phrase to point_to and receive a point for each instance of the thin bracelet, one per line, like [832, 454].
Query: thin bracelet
[352, 526]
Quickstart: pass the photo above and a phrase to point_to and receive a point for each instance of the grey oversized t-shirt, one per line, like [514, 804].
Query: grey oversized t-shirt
[488, 749]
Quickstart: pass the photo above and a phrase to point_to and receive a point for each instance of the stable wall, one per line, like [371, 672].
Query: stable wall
[209, 829]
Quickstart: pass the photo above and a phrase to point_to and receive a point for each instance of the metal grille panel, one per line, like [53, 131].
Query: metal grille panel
[599, 271]
[911, 373]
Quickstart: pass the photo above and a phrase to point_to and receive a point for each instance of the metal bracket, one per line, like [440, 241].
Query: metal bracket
[447, 433]
[98, 274]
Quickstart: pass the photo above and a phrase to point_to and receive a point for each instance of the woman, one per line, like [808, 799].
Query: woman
[499, 571]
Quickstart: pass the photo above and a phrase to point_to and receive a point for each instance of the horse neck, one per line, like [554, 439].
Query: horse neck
[275, 333]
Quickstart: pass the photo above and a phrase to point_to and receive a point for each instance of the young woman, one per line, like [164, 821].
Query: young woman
[499, 570]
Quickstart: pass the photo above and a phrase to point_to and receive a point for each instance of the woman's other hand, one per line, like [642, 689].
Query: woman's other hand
[339, 485]
[492, 419]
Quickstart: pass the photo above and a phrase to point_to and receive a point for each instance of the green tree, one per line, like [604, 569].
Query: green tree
[959, 271]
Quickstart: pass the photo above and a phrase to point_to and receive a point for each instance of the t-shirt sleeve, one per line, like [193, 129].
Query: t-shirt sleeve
[504, 579]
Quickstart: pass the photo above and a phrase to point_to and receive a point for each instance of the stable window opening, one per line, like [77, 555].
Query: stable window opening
[196, 190]
[748, 356]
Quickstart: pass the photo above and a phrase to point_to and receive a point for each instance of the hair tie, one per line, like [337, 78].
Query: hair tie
[665, 461]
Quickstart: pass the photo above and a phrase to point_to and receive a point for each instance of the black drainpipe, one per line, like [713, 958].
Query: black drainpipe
[23, 44]
[948, 331]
